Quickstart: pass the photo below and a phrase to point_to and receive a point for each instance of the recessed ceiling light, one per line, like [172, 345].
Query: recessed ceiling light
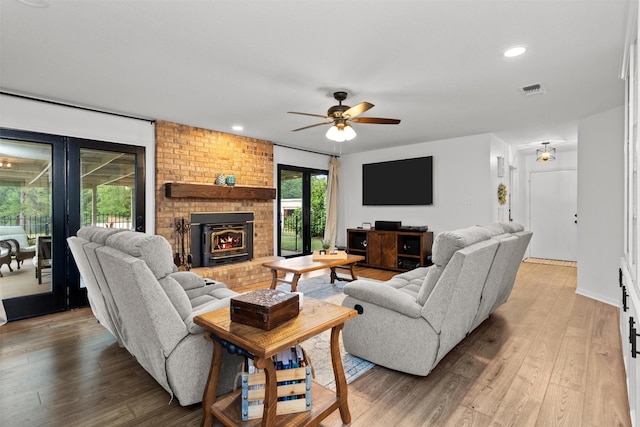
[515, 51]
[237, 127]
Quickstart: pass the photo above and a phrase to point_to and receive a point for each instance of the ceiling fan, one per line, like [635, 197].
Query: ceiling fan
[342, 115]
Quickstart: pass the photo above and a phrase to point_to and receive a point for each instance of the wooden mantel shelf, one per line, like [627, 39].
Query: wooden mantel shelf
[209, 191]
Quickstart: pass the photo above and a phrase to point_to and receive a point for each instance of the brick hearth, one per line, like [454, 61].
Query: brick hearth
[185, 154]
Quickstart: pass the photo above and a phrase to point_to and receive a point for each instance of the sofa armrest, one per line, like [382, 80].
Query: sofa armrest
[383, 296]
[205, 308]
[187, 279]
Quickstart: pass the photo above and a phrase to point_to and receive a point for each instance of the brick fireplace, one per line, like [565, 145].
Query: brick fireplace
[185, 154]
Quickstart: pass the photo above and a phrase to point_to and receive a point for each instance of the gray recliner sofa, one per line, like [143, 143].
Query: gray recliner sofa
[136, 292]
[410, 322]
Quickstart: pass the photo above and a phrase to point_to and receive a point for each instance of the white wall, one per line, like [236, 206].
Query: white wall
[293, 157]
[30, 115]
[499, 148]
[600, 204]
[464, 188]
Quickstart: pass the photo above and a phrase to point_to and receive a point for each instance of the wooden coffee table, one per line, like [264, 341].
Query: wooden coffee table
[305, 264]
[261, 345]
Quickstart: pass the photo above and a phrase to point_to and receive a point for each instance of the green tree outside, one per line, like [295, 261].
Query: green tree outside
[291, 238]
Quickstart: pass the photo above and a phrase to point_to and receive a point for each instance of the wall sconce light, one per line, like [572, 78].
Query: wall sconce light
[500, 166]
[545, 154]
[5, 164]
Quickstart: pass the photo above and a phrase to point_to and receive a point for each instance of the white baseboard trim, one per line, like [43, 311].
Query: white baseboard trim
[598, 297]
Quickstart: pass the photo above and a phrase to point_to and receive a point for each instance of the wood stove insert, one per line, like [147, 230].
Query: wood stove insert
[221, 238]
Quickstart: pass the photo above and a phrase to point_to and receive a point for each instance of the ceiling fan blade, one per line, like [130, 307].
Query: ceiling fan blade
[356, 110]
[308, 114]
[312, 126]
[376, 120]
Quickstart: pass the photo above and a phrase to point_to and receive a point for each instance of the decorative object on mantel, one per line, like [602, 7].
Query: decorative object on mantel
[208, 191]
[183, 231]
[231, 180]
[502, 194]
[220, 180]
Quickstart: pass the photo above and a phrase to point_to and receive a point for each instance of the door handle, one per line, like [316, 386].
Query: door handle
[633, 338]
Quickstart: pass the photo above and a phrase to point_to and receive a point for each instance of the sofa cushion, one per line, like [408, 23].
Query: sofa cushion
[22, 241]
[205, 308]
[449, 242]
[512, 227]
[496, 228]
[408, 282]
[97, 234]
[154, 250]
[429, 282]
[177, 296]
[446, 244]
[416, 273]
[15, 232]
[202, 299]
[188, 280]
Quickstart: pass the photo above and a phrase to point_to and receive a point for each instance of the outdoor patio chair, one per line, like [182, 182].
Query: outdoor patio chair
[17, 238]
[5, 256]
[42, 259]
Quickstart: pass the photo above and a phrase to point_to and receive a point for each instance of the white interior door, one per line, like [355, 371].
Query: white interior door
[554, 210]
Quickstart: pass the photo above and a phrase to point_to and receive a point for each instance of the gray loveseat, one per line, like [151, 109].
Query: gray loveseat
[136, 292]
[410, 322]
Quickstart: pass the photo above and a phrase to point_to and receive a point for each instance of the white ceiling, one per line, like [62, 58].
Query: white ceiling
[436, 65]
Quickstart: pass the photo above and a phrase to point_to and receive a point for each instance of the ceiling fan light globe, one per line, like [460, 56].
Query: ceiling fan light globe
[333, 133]
[349, 133]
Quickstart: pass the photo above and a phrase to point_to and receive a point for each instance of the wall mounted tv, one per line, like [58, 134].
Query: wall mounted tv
[398, 182]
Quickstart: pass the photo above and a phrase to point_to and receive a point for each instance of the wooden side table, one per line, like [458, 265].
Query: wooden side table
[314, 318]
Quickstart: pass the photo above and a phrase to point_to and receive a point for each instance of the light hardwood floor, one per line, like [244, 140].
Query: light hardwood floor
[547, 357]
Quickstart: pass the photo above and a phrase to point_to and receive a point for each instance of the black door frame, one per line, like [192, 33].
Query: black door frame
[66, 219]
[78, 295]
[54, 301]
[306, 205]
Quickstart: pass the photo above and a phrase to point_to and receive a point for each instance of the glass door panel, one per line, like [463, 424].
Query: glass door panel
[318, 207]
[32, 217]
[109, 192]
[107, 182]
[302, 210]
[290, 200]
[25, 218]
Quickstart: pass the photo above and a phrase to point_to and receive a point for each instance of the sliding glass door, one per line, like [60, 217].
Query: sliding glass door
[32, 223]
[50, 186]
[107, 191]
[301, 210]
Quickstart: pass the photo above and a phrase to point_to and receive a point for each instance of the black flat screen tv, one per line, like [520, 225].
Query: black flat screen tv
[399, 182]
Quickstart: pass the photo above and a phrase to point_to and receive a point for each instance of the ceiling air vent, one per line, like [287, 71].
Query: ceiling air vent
[533, 89]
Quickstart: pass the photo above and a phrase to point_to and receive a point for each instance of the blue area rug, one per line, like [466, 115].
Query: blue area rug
[317, 348]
